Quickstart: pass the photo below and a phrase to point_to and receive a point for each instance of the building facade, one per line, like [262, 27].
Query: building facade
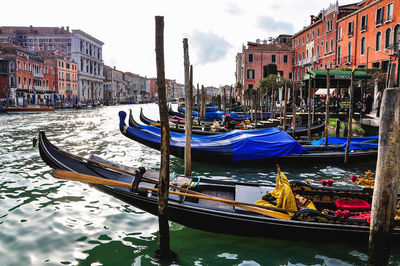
[371, 37]
[252, 61]
[38, 38]
[26, 78]
[115, 88]
[87, 54]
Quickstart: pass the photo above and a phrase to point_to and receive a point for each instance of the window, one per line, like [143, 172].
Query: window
[285, 59]
[362, 49]
[349, 50]
[350, 29]
[326, 47]
[378, 41]
[250, 74]
[387, 37]
[396, 35]
[339, 54]
[375, 65]
[318, 32]
[273, 58]
[50, 40]
[40, 40]
[250, 86]
[317, 50]
[339, 33]
[312, 35]
[364, 20]
[308, 37]
[251, 58]
[303, 40]
[18, 65]
[379, 16]
[331, 45]
[389, 12]
[51, 47]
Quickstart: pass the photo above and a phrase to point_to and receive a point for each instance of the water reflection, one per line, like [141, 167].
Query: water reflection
[49, 221]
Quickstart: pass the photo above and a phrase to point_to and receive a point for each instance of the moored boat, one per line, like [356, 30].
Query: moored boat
[228, 207]
[245, 147]
[29, 109]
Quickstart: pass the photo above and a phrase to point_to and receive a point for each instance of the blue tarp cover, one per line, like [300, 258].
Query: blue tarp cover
[241, 144]
[356, 143]
[219, 114]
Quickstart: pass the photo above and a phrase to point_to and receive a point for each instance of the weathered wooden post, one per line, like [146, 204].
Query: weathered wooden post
[284, 107]
[386, 180]
[255, 107]
[273, 103]
[203, 102]
[294, 111]
[230, 99]
[350, 122]
[328, 87]
[309, 111]
[164, 254]
[198, 104]
[188, 108]
[224, 101]
[219, 102]
[337, 127]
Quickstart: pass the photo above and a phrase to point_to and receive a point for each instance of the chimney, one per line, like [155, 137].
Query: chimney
[30, 29]
[67, 28]
[258, 41]
[114, 68]
[312, 19]
[62, 29]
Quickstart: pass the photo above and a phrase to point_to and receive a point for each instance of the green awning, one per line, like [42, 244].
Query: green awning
[338, 78]
[336, 75]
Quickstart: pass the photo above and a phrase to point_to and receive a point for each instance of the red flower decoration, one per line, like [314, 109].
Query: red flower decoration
[354, 178]
[330, 182]
[324, 182]
[346, 214]
[338, 214]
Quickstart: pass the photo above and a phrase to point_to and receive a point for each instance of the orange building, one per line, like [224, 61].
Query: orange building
[370, 35]
[251, 63]
[314, 46]
[26, 79]
[67, 81]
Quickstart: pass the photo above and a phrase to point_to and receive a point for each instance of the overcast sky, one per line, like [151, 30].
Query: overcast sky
[216, 29]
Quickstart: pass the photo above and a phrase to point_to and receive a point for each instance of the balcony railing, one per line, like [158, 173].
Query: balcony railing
[37, 75]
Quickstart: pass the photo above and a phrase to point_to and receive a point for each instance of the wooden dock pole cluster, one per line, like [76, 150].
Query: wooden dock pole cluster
[350, 122]
[164, 254]
[386, 180]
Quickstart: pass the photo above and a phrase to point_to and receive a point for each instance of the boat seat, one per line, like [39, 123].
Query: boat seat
[250, 194]
[353, 205]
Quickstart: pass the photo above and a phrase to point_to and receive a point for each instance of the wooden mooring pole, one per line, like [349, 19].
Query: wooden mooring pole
[386, 180]
[284, 106]
[350, 122]
[198, 104]
[203, 102]
[188, 108]
[328, 88]
[294, 111]
[309, 111]
[164, 254]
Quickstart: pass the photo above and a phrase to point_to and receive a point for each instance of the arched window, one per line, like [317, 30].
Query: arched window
[331, 45]
[326, 47]
[378, 41]
[396, 37]
[339, 54]
[11, 81]
[388, 37]
[362, 49]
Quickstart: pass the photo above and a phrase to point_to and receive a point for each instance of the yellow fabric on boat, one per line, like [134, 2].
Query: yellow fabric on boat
[283, 194]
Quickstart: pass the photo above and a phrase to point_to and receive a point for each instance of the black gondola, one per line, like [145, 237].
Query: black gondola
[218, 217]
[205, 129]
[314, 154]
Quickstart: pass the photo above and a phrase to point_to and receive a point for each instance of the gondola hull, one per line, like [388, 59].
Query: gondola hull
[201, 154]
[223, 218]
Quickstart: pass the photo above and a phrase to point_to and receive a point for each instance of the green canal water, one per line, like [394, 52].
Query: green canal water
[45, 221]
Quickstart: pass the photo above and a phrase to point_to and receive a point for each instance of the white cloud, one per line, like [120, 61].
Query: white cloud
[271, 25]
[233, 9]
[209, 47]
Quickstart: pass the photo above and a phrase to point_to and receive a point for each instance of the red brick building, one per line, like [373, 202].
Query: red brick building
[252, 61]
[314, 47]
[369, 36]
[25, 78]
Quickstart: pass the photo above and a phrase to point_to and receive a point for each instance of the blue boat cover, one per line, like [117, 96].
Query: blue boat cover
[241, 144]
[218, 115]
[356, 143]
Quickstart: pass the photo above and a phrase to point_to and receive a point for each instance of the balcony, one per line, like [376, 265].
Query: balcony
[37, 75]
[69, 92]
